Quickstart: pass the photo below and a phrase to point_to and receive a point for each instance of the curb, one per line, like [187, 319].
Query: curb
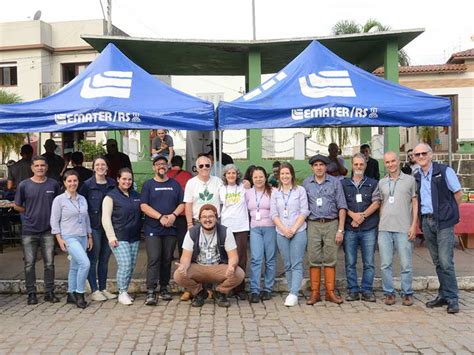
[420, 283]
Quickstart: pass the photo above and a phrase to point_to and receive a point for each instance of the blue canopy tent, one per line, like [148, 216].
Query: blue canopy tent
[320, 89]
[113, 93]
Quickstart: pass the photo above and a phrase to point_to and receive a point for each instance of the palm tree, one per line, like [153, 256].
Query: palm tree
[10, 142]
[340, 135]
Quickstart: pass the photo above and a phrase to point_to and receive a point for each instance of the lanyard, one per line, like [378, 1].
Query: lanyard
[390, 190]
[360, 185]
[257, 200]
[287, 200]
[206, 242]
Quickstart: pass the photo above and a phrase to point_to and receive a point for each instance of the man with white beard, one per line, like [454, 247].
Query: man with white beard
[363, 199]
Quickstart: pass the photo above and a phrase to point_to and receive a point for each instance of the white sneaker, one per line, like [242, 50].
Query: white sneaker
[109, 295]
[98, 296]
[291, 300]
[124, 298]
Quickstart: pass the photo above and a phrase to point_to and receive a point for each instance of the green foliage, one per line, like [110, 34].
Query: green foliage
[10, 142]
[425, 134]
[339, 135]
[91, 150]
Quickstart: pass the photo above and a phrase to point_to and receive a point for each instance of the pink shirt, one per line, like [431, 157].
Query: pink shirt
[253, 197]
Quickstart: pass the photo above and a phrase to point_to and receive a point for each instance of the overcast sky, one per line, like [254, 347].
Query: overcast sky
[448, 26]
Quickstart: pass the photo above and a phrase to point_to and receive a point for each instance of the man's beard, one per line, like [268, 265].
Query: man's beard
[208, 229]
[160, 175]
[358, 173]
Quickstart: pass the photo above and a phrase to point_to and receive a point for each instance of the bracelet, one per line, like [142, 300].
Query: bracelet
[174, 214]
[159, 219]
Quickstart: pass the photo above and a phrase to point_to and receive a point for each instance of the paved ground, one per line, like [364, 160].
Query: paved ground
[174, 327]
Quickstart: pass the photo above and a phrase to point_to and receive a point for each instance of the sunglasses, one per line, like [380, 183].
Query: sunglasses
[202, 166]
[421, 154]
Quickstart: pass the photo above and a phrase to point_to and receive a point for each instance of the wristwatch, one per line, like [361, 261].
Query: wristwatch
[340, 231]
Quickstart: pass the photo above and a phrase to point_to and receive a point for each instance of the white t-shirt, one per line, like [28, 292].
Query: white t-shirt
[234, 214]
[200, 193]
[208, 241]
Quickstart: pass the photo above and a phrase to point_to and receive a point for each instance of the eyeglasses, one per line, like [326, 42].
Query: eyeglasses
[202, 166]
[421, 154]
[161, 164]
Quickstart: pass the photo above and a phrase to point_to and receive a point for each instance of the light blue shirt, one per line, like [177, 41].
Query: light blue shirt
[295, 203]
[331, 197]
[69, 216]
[425, 191]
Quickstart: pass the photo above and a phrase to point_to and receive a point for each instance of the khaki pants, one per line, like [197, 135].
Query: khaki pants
[322, 247]
[204, 274]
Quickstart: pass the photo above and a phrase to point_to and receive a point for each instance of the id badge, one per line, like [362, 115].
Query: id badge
[285, 213]
[258, 216]
[359, 198]
[319, 201]
[208, 256]
[391, 199]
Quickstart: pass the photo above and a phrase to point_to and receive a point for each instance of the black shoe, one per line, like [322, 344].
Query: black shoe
[51, 297]
[453, 307]
[254, 298]
[266, 295]
[368, 297]
[71, 298]
[200, 298]
[221, 299]
[352, 296]
[151, 298]
[32, 299]
[437, 302]
[80, 300]
[165, 295]
[242, 295]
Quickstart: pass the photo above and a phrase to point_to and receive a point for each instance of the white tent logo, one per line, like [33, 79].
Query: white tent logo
[327, 83]
[108, 84]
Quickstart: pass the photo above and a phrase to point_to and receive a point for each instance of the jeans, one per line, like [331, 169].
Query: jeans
[159, 250]
[366, 240]
[99, 259]
[181, 230]
[292, 251]
[441, 246]
[387, 242]
[79, 265]
[126, 255]
[30, 243]
[262, 245]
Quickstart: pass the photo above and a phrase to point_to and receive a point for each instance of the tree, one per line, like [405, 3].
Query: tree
[10, 142]
[340, 135]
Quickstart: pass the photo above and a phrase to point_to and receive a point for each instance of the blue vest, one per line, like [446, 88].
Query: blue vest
[126, 215]
[445, 208]
[366, 190]
[91, 190]
[195, 233]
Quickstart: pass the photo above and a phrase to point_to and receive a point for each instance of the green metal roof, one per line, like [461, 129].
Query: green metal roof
[208, 57]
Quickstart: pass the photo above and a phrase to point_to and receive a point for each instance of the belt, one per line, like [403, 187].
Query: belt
[428, 215]
[323, 220]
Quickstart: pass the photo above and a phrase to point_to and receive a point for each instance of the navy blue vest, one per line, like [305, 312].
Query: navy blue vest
[195, 233]
[91, 190]
[445, 208]
[126, 215]
[366, 190]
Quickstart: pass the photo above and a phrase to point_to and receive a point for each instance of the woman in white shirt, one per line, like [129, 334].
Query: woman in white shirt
[235, 216]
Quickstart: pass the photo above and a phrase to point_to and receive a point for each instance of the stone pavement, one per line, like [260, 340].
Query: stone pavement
[176, 328]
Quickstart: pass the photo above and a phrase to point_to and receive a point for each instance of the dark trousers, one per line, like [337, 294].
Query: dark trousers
[99, 257]
[181, 229]
[159, 250]
[241, 239]
[31, 243]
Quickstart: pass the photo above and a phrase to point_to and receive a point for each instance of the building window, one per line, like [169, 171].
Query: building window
[8, 75]
[71, 70]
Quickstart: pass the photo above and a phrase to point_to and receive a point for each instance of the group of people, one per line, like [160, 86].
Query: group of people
[215, 219]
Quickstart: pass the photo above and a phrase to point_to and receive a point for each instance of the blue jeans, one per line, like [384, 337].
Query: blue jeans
[126, 255]
[262, 245]
[366, 240]
[79, 265]
[99, 257]
[388, 241]
[292, 251]
[441, 246]
[31, 243]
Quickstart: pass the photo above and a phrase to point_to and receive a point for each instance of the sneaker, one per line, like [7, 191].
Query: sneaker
[266, 295]
[390, 300]
[221, 299]
[165, 295]
[151, 298]
[98, 296]
[186, 296]
[242, 295]
[124, 298]
[291, 300]
[254, 298]
[109, 295]
[368, 297]
[407, 300]
[200, 298]
[352, 296]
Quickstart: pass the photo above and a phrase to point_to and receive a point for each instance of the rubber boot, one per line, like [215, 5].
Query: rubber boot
[330, 282]
[315, 283]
